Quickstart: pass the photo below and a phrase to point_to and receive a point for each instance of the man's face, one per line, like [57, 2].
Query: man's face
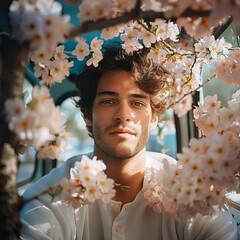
[121, 116]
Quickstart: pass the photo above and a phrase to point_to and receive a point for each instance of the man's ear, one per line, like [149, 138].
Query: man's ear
[88, 121]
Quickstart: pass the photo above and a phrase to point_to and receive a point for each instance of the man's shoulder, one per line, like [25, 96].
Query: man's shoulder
[156, 163]
[76, 158]
[160, 158]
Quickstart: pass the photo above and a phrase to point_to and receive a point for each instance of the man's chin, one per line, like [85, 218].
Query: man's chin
[118, 149]
[121, 152]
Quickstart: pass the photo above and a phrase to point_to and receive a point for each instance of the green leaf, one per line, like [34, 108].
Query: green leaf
[55, 191]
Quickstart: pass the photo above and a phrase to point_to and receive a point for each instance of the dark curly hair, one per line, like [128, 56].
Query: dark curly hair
[150, 77]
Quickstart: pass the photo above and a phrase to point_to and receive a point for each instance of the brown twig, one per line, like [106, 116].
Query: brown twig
[135, 14]
[89, 26]
[191, 92]
[233, 204]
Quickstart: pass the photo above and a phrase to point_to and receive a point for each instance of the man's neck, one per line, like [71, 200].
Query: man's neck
[126, 172]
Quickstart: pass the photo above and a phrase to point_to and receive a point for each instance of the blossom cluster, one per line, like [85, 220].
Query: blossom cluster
[227, 68]
[166, 49]
[104, 9]
[87, 183]
[196, 26]
[39, 23]
[82, 50]
[39, 125]
[210, 117]
[207, 170]
[51, 66]
[180, 57]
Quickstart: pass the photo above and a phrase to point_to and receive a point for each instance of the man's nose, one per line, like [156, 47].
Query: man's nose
[123, 113]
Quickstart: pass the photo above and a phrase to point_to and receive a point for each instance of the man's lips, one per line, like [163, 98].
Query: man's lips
[122, 131]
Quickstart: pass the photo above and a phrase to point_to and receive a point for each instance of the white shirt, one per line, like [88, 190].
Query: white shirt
[43, 219]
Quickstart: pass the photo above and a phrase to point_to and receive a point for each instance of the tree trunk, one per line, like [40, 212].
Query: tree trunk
[13, 60]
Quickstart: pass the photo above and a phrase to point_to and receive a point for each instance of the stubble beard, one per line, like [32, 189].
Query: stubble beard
[113, 151]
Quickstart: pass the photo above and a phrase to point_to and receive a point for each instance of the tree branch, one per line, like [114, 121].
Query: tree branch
[191, 92]
[135, 14]
[14, 59]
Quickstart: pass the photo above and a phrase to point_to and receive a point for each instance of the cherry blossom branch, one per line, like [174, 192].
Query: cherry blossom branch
[55, 191]
[191, 70]
[89, 26]
[191, 92]
[217, 31]
[135, 14]
[168, 46]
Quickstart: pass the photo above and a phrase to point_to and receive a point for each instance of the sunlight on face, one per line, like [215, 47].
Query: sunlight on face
[122, 116]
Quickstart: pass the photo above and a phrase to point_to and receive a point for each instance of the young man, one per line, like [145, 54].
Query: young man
[121, 101]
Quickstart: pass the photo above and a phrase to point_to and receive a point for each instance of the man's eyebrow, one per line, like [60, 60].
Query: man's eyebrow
[134, 95]
[137, 95]
[111, 93]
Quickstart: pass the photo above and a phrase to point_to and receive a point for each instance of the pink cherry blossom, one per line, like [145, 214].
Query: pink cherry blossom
[87, 183]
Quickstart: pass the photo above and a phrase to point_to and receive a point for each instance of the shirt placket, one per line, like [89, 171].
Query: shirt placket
[118, 227]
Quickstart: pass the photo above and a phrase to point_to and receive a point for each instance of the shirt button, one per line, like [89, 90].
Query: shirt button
[118, 228]
[117, 208]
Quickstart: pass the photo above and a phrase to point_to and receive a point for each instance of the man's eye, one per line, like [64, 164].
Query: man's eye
[138, 104]
[107, 102]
